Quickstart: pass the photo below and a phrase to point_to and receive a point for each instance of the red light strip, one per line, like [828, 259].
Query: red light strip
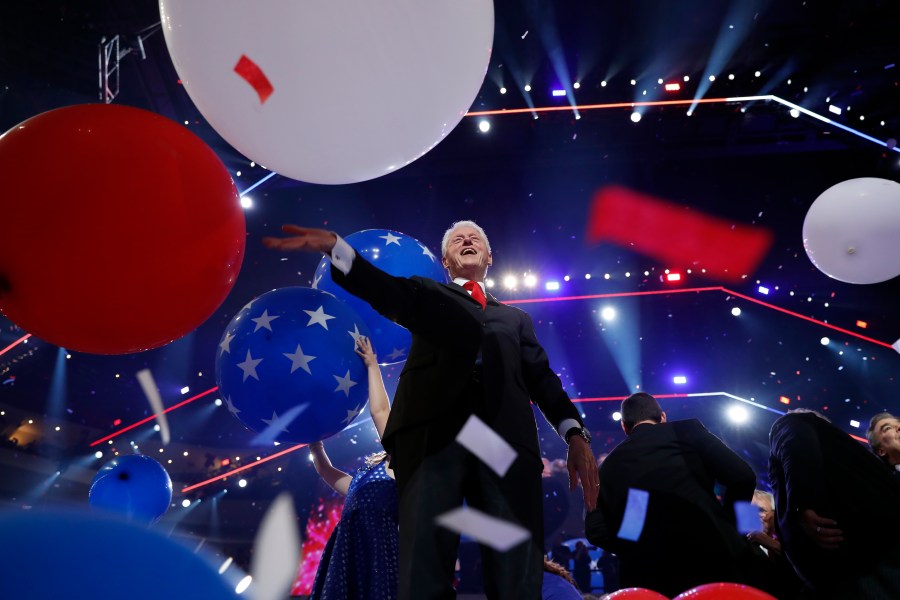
[810, 319]
[152, 417]
[614, 295]
[544, 109]
[15, 343]
[620, 398]
[708, 289]
[239, 469]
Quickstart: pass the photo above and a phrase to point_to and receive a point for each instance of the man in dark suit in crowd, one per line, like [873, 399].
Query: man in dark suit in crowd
[688, 537]
[470, 355]
[838, 509]
[884, 438]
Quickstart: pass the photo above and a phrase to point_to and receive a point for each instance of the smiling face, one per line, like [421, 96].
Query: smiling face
[467, 254]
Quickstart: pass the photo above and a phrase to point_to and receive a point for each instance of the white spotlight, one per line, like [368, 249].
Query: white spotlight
[635, 117]
[712, 78]
[489, 282]
[246, 201]
[679, 379]
[825, 341]
[218, 402]
[503, 90]
[795, 113]
[617, 416]
[687, 78]
[757, 74]
[576, 85]
[738, 414]
[603, 84]
[608, 313]
[510, 282]
[185, 503]
[530, 280]
[527, 87]
[484, 126]
[551, 286]
[633, 82]
[98, 454]
[242, 483]
[736, 311]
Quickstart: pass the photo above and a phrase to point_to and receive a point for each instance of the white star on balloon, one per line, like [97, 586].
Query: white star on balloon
[344, 383]
[351, 414]
[355, 334]
[397, 353]
[273, 422]
[225, 344]
[427, 252]
[316, 281]
[318, 316]
[264, 320]
[390, 238]
[231, 407]
[249, 367]
[299, 360]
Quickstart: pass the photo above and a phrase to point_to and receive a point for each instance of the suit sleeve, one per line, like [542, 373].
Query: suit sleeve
[597, 531]
[394, 297]
[544, 387]
[727, 467]
[795, 445]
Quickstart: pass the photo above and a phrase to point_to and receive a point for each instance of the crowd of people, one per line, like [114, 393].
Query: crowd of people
[662, 502]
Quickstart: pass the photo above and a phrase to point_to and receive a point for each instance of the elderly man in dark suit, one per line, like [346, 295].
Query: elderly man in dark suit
[837, 507]
[688, 537]
[470, 355]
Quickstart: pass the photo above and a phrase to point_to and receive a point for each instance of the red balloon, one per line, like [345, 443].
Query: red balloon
[122, 230]
[636, 594]
[724, 591]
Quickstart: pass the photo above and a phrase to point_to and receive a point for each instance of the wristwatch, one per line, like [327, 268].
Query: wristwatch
[581, 432]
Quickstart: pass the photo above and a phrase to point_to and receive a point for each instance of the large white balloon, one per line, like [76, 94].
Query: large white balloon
[331, 91]
[852, 230]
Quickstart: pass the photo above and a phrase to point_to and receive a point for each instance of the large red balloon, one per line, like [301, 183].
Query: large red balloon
[636, 594]
[121, 230]
[724, 591]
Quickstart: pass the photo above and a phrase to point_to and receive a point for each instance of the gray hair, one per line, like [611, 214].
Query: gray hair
[445, 241]
[872, 435]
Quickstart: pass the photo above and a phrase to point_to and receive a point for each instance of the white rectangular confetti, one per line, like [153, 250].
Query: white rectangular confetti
[747, 516]
[148, 384]
[635, 514]
[483, 442]
[498, 534]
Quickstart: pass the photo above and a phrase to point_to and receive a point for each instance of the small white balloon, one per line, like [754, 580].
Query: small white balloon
[852, 230]
[331, 92]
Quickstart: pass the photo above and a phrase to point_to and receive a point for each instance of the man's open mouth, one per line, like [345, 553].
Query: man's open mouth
[468, 251]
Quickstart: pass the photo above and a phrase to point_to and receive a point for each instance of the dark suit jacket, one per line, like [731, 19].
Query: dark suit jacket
[689, 537]
[815, 465]
[449, 329]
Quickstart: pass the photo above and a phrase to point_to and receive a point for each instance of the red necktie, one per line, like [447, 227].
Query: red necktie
[473, 288]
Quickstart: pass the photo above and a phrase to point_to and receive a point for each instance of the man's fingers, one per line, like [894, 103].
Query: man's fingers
[294, 229]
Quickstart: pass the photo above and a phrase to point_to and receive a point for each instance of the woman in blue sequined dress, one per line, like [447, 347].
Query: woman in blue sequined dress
[360, 560]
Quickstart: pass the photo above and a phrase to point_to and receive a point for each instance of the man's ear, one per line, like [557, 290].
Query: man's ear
[663, 419]
[881, 452]
[490, 259]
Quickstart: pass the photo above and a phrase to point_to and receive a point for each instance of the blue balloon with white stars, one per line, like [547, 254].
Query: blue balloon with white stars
[395, 253]
[287, 368]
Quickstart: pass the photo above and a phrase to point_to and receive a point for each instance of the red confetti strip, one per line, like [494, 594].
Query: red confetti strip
[253, 75]
[675, 235]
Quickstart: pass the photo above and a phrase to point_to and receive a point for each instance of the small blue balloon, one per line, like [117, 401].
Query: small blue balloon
[48, 555]
[287, 367]
[394, 253]
[135, 486]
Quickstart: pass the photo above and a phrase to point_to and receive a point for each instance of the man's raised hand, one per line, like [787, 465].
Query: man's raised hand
[302, 238]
